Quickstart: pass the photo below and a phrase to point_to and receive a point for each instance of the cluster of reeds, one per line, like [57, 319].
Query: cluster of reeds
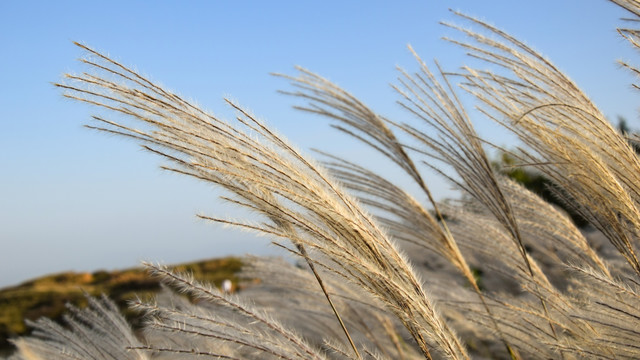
[497, 274]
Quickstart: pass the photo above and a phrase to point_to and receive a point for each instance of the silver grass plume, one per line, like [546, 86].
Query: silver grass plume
[268, 176]
[231, 329]
[569, 139]
[97, 332]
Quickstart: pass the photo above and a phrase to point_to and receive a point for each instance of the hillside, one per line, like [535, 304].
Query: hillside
[47, 296]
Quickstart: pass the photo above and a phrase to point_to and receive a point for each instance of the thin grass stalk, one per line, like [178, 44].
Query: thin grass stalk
[305, 255]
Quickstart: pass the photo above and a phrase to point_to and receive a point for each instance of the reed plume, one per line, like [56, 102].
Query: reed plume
[385, 273]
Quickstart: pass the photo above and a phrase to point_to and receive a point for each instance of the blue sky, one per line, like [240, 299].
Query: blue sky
[71, 199]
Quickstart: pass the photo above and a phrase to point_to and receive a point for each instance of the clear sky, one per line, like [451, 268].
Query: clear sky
[72, 199]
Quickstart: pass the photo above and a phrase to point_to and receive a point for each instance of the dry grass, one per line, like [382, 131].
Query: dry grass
[505, 275]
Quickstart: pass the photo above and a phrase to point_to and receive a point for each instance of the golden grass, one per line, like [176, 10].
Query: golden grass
[447, 297]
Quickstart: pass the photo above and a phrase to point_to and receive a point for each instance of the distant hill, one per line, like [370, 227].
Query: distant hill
[47, 296]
